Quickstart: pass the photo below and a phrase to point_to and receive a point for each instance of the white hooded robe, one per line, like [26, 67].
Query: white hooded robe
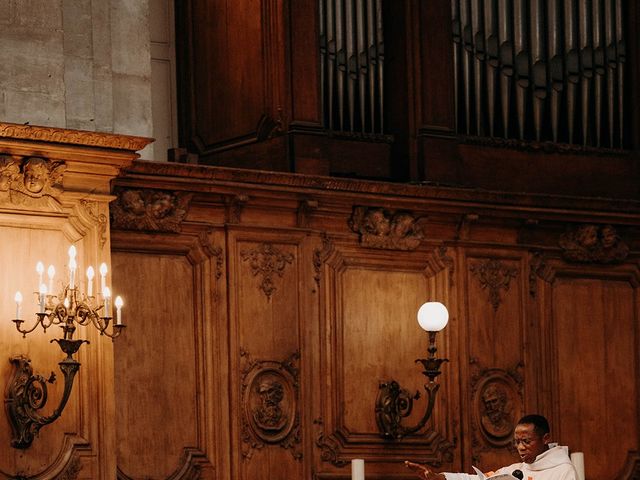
[554, 464]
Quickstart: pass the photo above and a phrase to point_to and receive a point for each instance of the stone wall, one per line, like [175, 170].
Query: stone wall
[80, 64]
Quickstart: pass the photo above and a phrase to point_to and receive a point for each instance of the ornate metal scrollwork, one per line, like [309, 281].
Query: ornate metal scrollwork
[27, 394]
[395, 403]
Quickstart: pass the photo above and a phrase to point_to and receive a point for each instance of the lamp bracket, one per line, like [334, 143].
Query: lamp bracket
[27, 394]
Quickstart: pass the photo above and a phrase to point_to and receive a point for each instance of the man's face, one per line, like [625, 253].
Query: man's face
[529, 443]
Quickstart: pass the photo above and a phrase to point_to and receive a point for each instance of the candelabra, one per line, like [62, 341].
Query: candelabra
[27, 392]
[394, 402]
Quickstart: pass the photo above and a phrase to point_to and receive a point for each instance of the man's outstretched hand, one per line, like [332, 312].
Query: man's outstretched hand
[423, 472]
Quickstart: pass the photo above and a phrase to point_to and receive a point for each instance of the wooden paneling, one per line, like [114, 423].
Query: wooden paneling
[292, 311]
[593, 329]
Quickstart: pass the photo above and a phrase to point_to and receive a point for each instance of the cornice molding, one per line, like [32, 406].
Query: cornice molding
[72, 137]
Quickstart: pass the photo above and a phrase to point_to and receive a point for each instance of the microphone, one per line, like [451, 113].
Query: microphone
[518, 474]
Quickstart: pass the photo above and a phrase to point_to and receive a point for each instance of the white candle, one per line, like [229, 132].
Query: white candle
[119, 303]
[51, 271]
[43, 295]
[103, 277]
[357, 469]
[72, 273]
[107, 302]
[40, 270]
[90, 275]
[18, 299]
[577, 458]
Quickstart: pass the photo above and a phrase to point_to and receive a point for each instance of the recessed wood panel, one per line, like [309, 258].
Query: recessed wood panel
[595, 328]
[156, 369]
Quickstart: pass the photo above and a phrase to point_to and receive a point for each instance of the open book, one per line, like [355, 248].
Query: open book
[499, 476]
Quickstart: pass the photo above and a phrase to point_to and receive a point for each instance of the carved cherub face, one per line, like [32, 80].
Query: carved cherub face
[162, 205]
[587, 236]
[36, 172]
[609, 236]
[132, 202]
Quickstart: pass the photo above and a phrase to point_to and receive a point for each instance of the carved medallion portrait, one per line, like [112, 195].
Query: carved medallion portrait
[270, 404]
[496, 407]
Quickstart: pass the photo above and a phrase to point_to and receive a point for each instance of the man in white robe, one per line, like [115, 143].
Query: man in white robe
[539, 461]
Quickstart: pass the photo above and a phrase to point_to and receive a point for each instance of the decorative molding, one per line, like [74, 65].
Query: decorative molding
[464, 225]
[74, 137]
[270, 400]
[206, 241]
[234, 206]
[269, 127]
[67, 465]
[392, 230]
[73, 469]
[493, 276]
[497, 405]
[539, 268]
[542, 147]
[91, 208]
[320, 255]
[305, 208]
[267, 261]
[447, 261]
[149, 210]
[192, 462]
[30, 181]
[590, 243]
[328, 446]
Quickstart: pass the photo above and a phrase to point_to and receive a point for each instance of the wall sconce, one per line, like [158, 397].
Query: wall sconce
[26, 391]
[394, 402]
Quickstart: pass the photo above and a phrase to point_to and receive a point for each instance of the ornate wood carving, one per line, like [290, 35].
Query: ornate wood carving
[206, 241]
[267, 261]
[192, 462]
[497, 406]
[447, 261]
[149, 210]
[305, 209]
[270, 393]
[394, 230]
[462, 230]
[319, 257]
[73, 469]
[100, 218]
[593, 243]
[30, 181]
[328, 446]
[494, 276]
[78, 137]
[234, 206]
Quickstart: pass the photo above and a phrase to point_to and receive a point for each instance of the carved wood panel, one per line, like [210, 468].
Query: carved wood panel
[267, 321]
[371, 299]
[160, 363]
[495, 335]
[595, 311]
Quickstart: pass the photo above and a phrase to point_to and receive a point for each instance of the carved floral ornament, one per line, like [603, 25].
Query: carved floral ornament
[593, 243]
[268, 262]
[494, 276]
[380, 228]
[149, 210]
[30, 180]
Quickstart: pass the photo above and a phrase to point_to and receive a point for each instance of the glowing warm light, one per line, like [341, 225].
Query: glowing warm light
[433, 316]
